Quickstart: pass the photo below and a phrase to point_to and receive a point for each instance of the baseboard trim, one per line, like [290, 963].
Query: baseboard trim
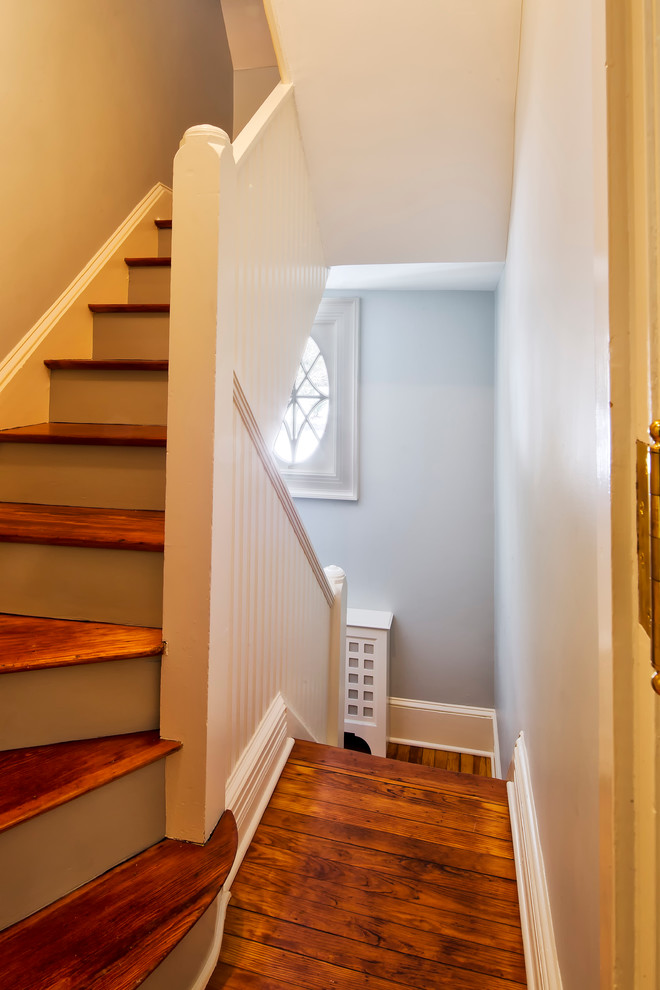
[455, 728]
[541, 960]
[254, 778]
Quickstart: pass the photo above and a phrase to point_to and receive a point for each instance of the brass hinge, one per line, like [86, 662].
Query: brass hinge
[648, 543]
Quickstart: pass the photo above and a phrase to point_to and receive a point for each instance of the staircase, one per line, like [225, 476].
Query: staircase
[93, 895]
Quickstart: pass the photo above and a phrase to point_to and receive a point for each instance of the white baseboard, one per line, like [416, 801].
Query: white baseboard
[254, 778]
[455, 728]
[541, 959]
[65, 329]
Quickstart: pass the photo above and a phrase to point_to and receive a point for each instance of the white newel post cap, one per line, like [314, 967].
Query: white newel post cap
[205, 133]
[336, 576]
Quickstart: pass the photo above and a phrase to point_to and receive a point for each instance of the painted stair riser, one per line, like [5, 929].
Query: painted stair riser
[108, 397]
[148, 285]
[142, 336]
[121, 586]
[165, 243]
[39, 707]
[63, 474]
[49, 856]
[193, 958]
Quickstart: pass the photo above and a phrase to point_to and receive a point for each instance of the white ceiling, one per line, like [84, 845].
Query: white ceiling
[406, 111]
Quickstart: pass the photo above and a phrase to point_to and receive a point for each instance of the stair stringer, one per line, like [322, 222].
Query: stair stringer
[66, 328]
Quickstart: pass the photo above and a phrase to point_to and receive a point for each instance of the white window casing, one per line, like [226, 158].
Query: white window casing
[331, 471]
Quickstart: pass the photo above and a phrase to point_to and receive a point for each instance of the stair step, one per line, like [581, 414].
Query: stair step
[108, 391]
[84, 464]
[34, 643]
[40, 778]
[156, 262]
[129, 307]
[76, 526]
[362, 764]
[164, 237]
[132, 332]
[90, 434]
[149, 278]
[113, 932]
[65, 680]
[105, 364]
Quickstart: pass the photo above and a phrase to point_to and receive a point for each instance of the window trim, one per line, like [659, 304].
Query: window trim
[335, 475]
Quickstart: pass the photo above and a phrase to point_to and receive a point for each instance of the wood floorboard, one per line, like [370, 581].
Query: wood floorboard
[379, 901]
[408, 802]
[359, 955]
[360, 764]
[461, 835]
[428, 854]
[229, 978]
[352, 869]
[425, 804]
[438, 946]
[372, 874]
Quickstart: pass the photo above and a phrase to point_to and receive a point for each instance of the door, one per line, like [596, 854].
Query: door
[633, 136]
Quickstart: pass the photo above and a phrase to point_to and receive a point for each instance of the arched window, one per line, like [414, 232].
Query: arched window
[316, 446]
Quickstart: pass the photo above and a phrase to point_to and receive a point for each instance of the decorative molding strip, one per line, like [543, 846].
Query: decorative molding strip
[34, 337]
[256, 127]
[456, 728]
[541, 959]
[255, 775]
[282, 492]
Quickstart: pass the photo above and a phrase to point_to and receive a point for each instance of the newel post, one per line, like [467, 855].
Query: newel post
[195, 688]
[337, 657]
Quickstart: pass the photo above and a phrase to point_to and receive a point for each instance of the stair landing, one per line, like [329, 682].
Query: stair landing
[369, 873]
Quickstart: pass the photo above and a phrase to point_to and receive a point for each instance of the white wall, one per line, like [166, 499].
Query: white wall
[419, 541]
[552, 409]
[94, 99]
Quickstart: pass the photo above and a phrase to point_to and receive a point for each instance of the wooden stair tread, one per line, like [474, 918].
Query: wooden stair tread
[129, 307]
[113, 932]
[92, 434]
[39, 778]
[76, 526]
[315, 754]
[31, 643]
[155, 262]
[163, 224]
[105, 364]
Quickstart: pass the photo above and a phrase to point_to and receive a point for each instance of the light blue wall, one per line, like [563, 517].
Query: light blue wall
[419, 542]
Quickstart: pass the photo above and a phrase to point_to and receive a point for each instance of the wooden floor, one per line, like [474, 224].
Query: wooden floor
[358, 881]
[441, 759]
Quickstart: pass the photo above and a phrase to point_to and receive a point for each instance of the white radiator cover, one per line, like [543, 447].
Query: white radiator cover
[367, 676]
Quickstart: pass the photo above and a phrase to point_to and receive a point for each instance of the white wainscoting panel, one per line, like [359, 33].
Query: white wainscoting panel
[541, 959]
[280, 267]
[282, 600]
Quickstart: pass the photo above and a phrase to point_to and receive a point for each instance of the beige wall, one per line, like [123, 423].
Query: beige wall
[94, 100]
[552, 570]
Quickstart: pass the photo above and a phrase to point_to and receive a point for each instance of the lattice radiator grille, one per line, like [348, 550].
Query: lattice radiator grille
[367, 675]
